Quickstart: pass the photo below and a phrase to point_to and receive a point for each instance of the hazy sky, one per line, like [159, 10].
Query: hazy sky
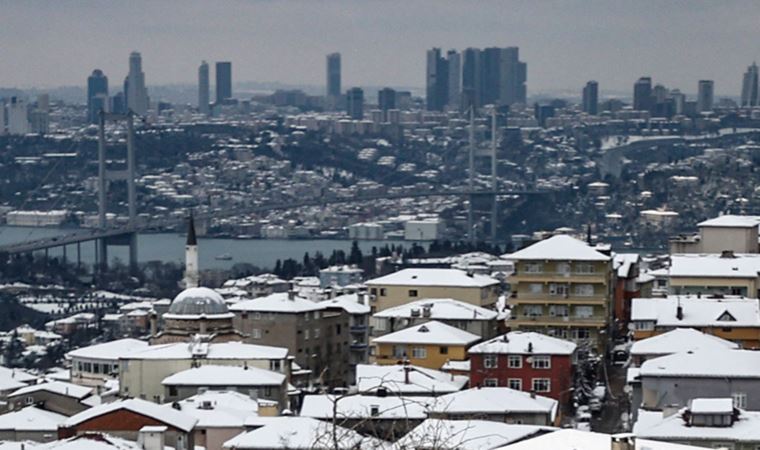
[383, 42]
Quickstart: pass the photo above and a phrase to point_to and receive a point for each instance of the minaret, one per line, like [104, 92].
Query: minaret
[192, 276]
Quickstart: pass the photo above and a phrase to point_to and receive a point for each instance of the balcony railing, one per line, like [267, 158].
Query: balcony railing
[560, 320]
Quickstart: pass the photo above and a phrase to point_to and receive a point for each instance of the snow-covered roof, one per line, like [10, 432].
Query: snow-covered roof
[279, 302]
[219, 409]
[211, 375]
[55, 387]
[731, 221]
[422, 381]
[679, 340]
[713, 363]
[466, 434]
[88, 442]
[296, 433]
[349, 303]
[462, 366]
[494, 400]
[109, 351]
[8, 375]
[145, 408]
[361, 406]
[440, 309]
[652, 425]
[697, 312]
[623, 262]
[433, 277]
[559, 248]
[524, 343]
[714, 266]
[223, 350]
[569, 439]
[432, 332]
[31, 418]
[712, 405]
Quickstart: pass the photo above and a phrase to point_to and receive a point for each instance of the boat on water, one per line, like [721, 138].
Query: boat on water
[223, 257]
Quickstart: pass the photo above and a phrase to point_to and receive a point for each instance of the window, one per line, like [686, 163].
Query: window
[382, 292]
[172, 391]
[316, 315]
[337, 329]
[373, 291]
[581, 333]
[491, 382]
[443, 350]
[514, 362]
[558, 310]
[584, 312]
[412, 292]
[563, 267]
[306, 334]
[275, 365]
[584, 268]
[490, 362]
[740, 400]
[643, 325]
[558, 289]
[536, 288]
[419, 352]
[534, 268]
[257, 316]
[29, 400]
[533, 310]
[316, 333]
[542, 362]
[399, 351]
[514, 383]
[541, 385]
[584, 290]
[256, 333]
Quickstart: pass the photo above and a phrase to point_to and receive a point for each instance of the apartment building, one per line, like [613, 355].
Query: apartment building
[562, 287]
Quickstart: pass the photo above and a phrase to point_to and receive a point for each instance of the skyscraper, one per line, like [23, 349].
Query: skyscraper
[203, 88]
[492, 81]
[470, 78]
[18, 116]
[454, 60]
[749, 86]
[591, 98]
[513, 74]
[97, 95]
[386, 99]
[705, 96]
[355, 103]
[223, 81]
[642, 94]
[436, 81]
[333, 75]
[137, 94]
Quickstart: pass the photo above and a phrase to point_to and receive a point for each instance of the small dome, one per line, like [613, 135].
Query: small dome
[198, 300]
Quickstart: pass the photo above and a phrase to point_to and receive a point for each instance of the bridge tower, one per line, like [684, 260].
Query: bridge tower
[129, 237]
[482, 197]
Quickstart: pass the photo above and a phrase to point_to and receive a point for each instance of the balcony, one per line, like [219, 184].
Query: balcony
[569, 321]
[358, 329]
[583, 277]
[358, 346]
[548, 299]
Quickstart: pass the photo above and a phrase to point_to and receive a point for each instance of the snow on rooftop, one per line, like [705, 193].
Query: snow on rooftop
[219, 409]
[652, 425]
[702, 363]
[697, 312]
[422, 381]
[569, 439]
[88, 442]
[494, 400]
[714, 266]
[432, 332]
[440, 309]
[365, 406]
[731, 221]
[433, 277]
[279, 302]
[680, 340]
[711, 406]
[111, 350]
[55, 387]
[31, 418]
[168, 416]
[296, 433]
[349, 302]
[225, 350]
[558, 248]
[623, 262]
[523, 343]
[466, 434]
[211, 375]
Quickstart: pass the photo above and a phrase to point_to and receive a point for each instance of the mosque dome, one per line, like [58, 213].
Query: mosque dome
[198, 301]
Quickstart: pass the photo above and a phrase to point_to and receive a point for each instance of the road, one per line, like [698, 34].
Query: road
[616, 403]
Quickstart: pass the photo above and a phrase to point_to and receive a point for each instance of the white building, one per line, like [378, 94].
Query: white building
[366, 231]
[137, 94]
[428, 229]
[18, 118]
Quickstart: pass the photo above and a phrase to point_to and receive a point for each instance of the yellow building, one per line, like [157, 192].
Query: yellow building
[723, 273]
[409, 285]
[735, 319]
[562, 287]
[431, 345]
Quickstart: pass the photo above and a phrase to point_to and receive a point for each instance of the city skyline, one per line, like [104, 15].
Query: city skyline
[267, 41]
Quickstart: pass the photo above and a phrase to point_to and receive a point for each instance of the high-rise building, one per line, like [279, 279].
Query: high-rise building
[513, 75]
[333, 75]
[705, 96]
[386, 99]
[355, 103]
[97, 90]
[2, 117]
[454, 60]
[749, 86]
[18, 116]
[203, 89]
[642, 94]
[471, 78]
[437, 81]
[679, 101]
[591, 98]
[223, 81]
[492, 81]
[39, 117]
[137, 94]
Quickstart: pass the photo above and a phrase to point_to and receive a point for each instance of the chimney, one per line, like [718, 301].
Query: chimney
[624, 441]
[291, 294]
[361, 297]
[532, 394]
[679, 310]
[153, 323]
[407, 369]
[152, 437]
[727, 254]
